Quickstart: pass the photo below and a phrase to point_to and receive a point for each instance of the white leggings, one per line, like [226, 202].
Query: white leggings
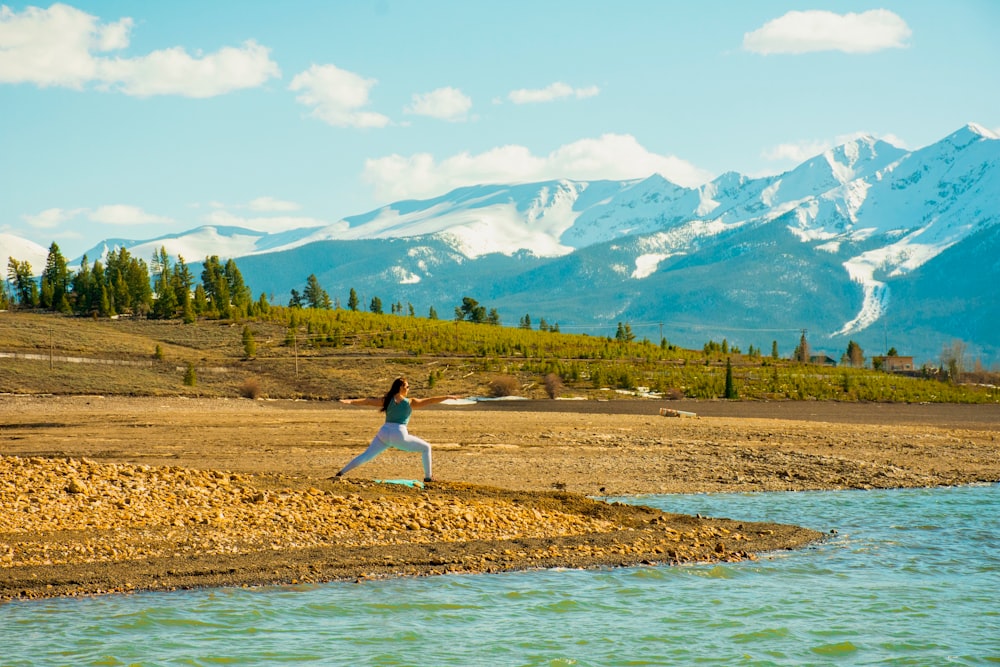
[396, 437]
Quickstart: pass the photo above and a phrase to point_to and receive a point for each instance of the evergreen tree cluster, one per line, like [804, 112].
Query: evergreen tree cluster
[125, 285]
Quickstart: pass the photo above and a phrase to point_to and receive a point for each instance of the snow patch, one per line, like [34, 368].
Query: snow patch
[646, 265]
[707, 203]
[404, 277]
[842, 172]
[769, 193]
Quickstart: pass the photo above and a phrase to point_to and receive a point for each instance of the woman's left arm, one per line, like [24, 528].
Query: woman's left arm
[424, 402]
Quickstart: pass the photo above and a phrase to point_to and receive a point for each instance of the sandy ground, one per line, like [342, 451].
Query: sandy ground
[108, 494]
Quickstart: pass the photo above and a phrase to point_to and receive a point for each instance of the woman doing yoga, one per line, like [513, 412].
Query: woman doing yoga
[397, 408]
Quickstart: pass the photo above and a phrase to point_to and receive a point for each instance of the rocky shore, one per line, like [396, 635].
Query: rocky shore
[116, 495]
[76, 526]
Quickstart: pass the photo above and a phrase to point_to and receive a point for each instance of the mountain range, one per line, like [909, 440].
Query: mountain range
[866, 242]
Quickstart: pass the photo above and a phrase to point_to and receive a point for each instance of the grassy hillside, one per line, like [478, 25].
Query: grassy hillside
[330, 354]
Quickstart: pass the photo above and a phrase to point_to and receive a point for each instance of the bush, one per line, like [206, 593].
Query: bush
[504, 385]
[553, 385]
[190, 377]
[250, 389]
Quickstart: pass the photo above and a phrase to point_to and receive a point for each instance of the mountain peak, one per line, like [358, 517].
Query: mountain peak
[969, 134]
[986, 133]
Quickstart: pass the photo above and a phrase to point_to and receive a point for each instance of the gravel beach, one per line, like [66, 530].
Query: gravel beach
[110, 494]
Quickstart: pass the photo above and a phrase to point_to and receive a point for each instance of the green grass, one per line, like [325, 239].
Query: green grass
[328, 354]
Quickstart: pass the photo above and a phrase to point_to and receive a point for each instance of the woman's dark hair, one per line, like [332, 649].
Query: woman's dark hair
[397, 384]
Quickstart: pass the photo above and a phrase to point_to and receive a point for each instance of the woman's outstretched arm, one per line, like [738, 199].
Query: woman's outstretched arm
[374, 402]
[424, 402]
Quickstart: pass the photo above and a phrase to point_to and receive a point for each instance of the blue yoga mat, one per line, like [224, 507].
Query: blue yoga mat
[415, 483]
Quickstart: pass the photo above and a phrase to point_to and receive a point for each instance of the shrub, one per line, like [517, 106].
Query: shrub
[504, 385]
[553, 385]
[250, 388]
[190, 377]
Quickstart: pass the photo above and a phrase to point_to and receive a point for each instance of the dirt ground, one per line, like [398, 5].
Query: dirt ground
[108, 494]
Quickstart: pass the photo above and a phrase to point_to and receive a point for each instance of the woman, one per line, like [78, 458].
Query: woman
[397, 408]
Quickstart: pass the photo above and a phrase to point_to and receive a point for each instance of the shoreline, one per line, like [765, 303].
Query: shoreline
[118, 528]
[126, 494]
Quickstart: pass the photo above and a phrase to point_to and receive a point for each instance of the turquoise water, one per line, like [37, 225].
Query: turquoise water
[911, 577]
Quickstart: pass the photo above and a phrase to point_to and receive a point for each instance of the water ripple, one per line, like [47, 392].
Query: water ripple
[910, 577]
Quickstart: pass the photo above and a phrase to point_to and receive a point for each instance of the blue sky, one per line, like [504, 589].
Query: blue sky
[138, 119]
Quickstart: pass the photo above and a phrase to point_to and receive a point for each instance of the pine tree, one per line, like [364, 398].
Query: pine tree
[249, 344]
[376, 305]
[181, 280]
[352, 301]
[200, 301]
[190, 377]
[239, 294]
[855, 356]
[27, 287]
[731, 392]
[105, 309]
[473, 312]
[55, 282]
[81, 284]
[213, 281]
[165, 304]
[315, 296]
[802, 353]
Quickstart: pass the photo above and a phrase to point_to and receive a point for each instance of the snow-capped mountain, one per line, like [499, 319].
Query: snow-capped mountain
[836, 246]
[22, 250]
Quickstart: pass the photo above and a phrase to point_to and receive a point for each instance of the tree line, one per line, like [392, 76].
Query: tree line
[126, 285]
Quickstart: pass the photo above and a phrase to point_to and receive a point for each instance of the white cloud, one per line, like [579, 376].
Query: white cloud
[52, 217]
[261, 224]
[612, 156]
[60, 46]
[272, 204]
[551, 92]
[123, 214]
[797, 152]
[337, 96]
[175, 72]
[817, 30]
[444, 103]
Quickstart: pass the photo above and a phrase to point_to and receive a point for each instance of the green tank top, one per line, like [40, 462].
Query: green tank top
[398, 413]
